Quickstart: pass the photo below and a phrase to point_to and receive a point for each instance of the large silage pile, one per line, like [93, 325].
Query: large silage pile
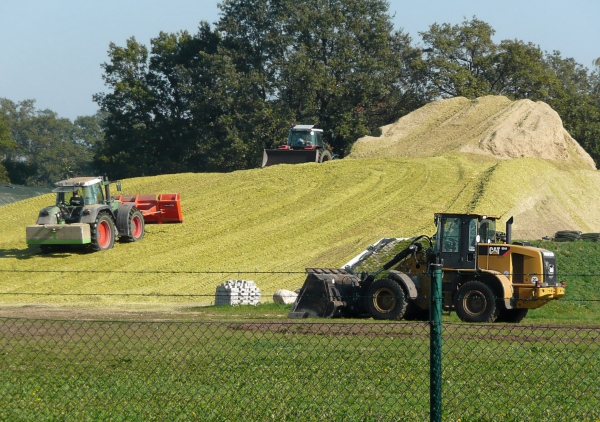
[493, 126]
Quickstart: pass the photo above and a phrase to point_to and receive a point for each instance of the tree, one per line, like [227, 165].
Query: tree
[214, 100]
[573, 94]
[317, 63]
[459, 60]
[6, 144]
[46, 148]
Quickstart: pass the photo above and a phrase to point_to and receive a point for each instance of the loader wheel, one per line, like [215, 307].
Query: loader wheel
[414, 313]
[512, 315]
[476, 302]
[324, 155]
[386, 300]
[103, 232]
[136, 226]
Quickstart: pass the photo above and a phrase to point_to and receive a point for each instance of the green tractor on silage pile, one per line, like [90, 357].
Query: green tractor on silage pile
[85, 213]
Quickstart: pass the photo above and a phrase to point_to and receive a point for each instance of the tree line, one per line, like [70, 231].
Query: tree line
[213, 100]
[38, 148]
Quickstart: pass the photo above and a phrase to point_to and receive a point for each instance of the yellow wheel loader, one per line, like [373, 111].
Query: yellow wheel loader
[305, 144]
[484, 279]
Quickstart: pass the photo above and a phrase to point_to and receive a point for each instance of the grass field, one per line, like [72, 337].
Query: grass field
[109, 370]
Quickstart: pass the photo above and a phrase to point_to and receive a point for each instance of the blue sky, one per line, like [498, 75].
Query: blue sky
[51, 51]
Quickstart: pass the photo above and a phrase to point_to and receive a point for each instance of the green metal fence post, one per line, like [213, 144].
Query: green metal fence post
[435, 345]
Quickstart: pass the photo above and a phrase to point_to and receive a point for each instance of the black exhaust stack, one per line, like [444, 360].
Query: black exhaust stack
[509, 230]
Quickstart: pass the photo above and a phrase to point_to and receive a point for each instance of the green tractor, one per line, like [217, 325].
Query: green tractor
[85, 214]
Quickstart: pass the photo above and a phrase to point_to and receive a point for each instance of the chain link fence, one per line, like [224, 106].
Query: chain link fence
[293, 371]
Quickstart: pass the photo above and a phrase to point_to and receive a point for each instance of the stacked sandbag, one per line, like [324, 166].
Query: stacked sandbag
[237, 292]
[590, 237]
[567, 236]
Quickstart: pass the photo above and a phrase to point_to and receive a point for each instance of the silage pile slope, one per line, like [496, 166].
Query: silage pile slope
[268, 225]
[275, 221]
[492, 125]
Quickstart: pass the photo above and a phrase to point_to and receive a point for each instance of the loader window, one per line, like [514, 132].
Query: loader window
[319, 138]
[301, 139]
[450, 234]
[472, 234]
[487, 231]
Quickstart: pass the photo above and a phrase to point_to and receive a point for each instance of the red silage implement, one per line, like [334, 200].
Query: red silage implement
[161, 208]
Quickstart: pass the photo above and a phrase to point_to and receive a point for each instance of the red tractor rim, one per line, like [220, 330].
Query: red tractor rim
[103, 234]
[136, 230]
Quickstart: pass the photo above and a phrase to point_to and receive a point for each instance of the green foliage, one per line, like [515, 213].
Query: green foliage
[6, 141]
[214, 100]
[45, 148]
[6, 144]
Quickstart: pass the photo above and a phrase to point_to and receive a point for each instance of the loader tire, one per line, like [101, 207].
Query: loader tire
[324, 156]
[103, 232]
[136, 226]
[512, 315]
[414, 313]
[476, 302]
[386, 299]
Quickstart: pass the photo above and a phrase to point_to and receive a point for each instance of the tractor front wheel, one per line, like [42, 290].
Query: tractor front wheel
[476, 302]
[324, 156]
[103, 232]
[386, 299]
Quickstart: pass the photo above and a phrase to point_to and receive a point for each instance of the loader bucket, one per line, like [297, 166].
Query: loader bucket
[162, 208]
[272, 157]
[322, 294]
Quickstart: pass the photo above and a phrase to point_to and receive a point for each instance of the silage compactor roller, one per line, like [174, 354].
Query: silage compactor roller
[484, 279]
[85, 213]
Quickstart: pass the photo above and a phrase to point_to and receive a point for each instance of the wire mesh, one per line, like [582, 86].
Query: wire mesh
[289, 371]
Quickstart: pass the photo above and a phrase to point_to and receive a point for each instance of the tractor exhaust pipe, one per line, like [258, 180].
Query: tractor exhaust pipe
[509, 230]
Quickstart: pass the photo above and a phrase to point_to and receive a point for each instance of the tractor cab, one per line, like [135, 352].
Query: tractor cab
[79, 192]
[304, 137]
[458, 235]
[73, 195]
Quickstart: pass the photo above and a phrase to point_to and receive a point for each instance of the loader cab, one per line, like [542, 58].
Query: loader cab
[305, 137]
[458, 235]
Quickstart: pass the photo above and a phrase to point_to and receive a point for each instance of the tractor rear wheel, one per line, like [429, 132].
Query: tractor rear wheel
[476, 302]
[103, 232]
[135, 225]
[512, 315]
[386, 299]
